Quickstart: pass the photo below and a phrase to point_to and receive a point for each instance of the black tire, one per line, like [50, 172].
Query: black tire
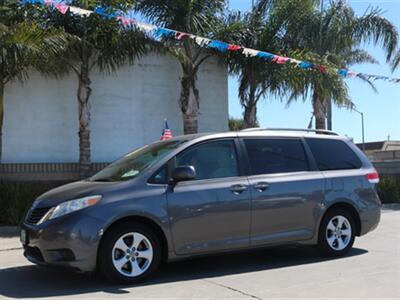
[323, 234]
[105, 264]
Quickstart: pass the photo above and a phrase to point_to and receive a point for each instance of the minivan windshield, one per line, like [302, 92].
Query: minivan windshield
[132, 164]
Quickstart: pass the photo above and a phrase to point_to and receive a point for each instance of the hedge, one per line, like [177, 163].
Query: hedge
[16, 198]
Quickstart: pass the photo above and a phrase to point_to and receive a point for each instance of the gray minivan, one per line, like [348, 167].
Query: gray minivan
[206, 193]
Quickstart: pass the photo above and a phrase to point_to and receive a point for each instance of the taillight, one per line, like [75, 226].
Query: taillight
[373, 177]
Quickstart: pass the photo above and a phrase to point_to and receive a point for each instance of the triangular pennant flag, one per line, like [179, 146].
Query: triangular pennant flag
[164, 33]
[280, 59]
[321, 68]
[202, 42]
[125, 21]
[343, 72]
[294, 61]
[250, 52]
[352, 74]
[181, 35]
[218, 45]
[79, 11]
[62, 8]
[305, 65]
[266, 55]
[146, 27]
[234, 47]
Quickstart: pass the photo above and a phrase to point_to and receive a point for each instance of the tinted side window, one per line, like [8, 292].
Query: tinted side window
[333, 155]
[268, 156]
[211, 160]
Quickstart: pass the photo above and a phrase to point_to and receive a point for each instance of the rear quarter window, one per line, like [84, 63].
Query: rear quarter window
[333, 155]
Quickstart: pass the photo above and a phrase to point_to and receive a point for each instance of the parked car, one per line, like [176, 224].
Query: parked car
[204, 194]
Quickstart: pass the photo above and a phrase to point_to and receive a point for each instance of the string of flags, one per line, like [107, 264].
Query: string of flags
[159, 33]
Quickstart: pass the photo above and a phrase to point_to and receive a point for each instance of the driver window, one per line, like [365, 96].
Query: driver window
[211, 160]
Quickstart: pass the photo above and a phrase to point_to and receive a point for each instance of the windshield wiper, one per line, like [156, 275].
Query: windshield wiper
[102, 180]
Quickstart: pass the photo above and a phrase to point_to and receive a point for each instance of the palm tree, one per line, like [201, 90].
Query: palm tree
[24, 44]
[100, 43]
[236, 124]
[396, 61]
[270, 26]
[334, 36]
[198, 17]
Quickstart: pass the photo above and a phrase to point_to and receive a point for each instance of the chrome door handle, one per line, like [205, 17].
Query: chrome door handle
[261, 186]
[238, 188]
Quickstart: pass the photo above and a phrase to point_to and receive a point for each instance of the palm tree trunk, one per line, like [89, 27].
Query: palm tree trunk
[250, 105]
[250, 115]
[329, 114]
[1, 118]
[319, 111]
[189, 101]
[84, 91]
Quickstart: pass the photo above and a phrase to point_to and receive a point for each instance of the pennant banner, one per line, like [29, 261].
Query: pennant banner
[160, 33]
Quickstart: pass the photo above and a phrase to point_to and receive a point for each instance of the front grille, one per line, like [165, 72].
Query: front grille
[35, 215]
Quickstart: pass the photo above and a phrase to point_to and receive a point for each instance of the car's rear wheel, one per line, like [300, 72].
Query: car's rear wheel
[129, 252]
[337, 232]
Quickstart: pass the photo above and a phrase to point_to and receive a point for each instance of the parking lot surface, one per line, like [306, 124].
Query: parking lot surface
[371, 270]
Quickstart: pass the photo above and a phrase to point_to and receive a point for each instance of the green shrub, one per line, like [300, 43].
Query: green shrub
[15, 200]
[236, 124]
[389, 189]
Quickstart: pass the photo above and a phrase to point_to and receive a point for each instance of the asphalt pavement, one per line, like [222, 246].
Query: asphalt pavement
[371, 270]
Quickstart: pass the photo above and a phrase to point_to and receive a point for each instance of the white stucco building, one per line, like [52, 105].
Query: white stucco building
[127, 111]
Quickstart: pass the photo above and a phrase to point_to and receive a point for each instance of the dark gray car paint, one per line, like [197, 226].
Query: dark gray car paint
[286, 210]
[215, 218]
[201, 217]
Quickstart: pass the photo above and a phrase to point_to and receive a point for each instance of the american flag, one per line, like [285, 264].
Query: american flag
[166, 133]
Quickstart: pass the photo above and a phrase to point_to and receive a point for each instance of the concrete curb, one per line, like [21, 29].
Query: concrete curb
[391, 206]
[9, 231]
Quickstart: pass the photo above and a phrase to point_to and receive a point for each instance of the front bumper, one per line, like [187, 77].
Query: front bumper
[69, 241]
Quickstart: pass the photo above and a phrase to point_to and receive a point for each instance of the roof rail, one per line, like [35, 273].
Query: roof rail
[317, 131]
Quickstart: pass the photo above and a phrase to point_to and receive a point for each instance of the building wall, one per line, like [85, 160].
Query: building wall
[128, 108]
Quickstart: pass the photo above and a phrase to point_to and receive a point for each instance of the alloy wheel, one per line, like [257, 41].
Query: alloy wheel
[338, 233]
[132, 254]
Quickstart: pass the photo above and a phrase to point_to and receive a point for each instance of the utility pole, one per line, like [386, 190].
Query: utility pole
[328, 102]
[362, 127]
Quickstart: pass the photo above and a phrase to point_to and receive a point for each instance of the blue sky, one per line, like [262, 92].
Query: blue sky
[381, 110]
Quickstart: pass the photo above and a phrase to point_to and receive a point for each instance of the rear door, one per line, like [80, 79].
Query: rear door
[286, 188]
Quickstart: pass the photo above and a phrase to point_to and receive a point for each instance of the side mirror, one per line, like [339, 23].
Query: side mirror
[183, 173]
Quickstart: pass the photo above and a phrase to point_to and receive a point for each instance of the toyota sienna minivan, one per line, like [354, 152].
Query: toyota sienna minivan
[204, 194]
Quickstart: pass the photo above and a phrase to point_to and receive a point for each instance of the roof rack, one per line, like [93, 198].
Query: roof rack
[317, 131]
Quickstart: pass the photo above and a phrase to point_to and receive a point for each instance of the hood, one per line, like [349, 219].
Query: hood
[72, 191]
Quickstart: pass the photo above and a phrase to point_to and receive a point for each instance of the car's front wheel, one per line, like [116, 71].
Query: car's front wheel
[128, 253]
[337, 232]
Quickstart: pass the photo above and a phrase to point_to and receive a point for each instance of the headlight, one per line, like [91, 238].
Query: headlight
[70, 206]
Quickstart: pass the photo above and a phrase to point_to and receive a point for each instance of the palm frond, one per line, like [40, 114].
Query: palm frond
[358, 56]
[372, 26]
[396, 61]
